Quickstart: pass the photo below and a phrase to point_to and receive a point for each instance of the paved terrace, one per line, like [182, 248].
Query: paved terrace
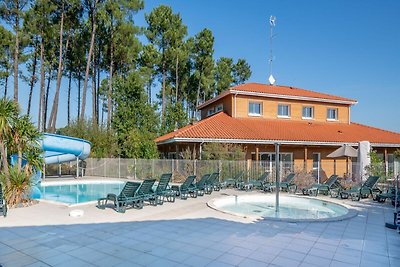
[188, 233]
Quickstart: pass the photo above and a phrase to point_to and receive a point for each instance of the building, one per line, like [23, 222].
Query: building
[308, 125]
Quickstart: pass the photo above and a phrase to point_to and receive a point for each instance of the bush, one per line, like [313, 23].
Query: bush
[18, 189]
[303, 179]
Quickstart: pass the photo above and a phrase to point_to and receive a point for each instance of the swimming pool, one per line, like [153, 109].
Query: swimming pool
[76, 192]
[290, 208]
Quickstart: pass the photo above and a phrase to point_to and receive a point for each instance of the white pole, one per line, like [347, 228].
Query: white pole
[277, 176]
[77, 167]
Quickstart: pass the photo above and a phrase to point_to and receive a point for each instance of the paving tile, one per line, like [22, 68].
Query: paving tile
[197, 261]
[285, 262]
[317, 261]
[230, 259]
[251, 263]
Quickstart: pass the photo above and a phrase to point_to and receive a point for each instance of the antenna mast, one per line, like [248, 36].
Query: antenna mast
[272, 20]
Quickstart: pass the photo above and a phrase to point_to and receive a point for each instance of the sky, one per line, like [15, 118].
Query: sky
[345, 48]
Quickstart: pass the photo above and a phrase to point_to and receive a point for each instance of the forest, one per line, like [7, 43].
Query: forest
[140, 81]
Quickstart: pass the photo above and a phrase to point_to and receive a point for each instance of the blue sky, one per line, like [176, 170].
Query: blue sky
[341, 47]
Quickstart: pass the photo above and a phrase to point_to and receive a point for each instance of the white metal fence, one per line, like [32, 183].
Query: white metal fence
[145, 168]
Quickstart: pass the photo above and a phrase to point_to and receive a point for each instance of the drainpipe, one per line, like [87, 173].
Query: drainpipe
[200, 149]
[349, 115]
[235, 106]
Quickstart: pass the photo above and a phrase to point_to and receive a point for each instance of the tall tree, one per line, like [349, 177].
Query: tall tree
[92, 7]
[241, 71]
[223, 74]
[165, 32]
[6, 46]
[118, 21]
[203, 50]
[39, 24]
[135, 120]
[12, 11]
[69, 14]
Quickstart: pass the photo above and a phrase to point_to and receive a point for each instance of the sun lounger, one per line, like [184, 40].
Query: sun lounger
[126, 197]
[187, 188]
[146, 192]
[323, 188]
[232, 182]
[255, 183]
[201, 185]
[358, 192]
[213, 183]
[3, 203]
[163, 190]
[284, 185]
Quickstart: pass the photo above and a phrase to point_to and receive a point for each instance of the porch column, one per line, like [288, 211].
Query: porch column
[257, 153]
[305, 158]
[386, 162]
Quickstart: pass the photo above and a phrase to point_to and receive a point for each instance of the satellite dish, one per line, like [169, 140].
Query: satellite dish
[271, 80]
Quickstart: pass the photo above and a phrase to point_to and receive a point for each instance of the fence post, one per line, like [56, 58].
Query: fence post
[105, 168]
[134, 169]
[219, 170]
[152, 168]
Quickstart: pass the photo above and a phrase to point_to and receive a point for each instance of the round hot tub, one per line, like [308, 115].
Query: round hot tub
[291, 208]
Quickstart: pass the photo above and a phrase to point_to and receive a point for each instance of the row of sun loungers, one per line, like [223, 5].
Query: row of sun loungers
[135, 194]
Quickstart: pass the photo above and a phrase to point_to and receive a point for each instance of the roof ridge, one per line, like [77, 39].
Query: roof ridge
[375, 128]
[294, 87]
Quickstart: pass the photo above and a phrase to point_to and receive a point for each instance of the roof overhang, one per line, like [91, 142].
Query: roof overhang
[267, 142]
[290, 97]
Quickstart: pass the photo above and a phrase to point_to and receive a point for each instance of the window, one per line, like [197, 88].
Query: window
[332, 114]
[210, 112]
[316, 161]
[283, 110]
[255, 108]
[219, 108]
[308, 112]
[267, 160]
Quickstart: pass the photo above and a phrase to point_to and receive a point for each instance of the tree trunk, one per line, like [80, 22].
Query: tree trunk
[163, 91]
[16, 52]
[82, 115]
[33, 78]
[6, 85]
[69, 98]
[198, 96]
[110, 82]
[54, 109]
[98, 85]
[94, 93]
[4, 158]
[79, 96]
[46, 100]
[42, 81]
[176, 79]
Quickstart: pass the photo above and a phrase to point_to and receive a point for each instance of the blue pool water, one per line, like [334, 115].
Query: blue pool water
[77, 192]
[296, 208]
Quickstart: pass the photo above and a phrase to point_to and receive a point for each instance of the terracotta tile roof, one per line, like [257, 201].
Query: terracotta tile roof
[222, 126]
[281, 92]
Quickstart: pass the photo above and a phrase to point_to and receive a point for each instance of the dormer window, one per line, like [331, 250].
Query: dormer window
[308, 112]
[283, 111]
[255, 108]
[332, 114]
[219, 108]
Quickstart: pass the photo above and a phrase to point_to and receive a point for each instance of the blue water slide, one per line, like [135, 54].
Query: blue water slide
[61, 148]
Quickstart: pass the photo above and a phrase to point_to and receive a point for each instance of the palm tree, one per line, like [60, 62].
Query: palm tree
[18, 135]
[8, 113]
